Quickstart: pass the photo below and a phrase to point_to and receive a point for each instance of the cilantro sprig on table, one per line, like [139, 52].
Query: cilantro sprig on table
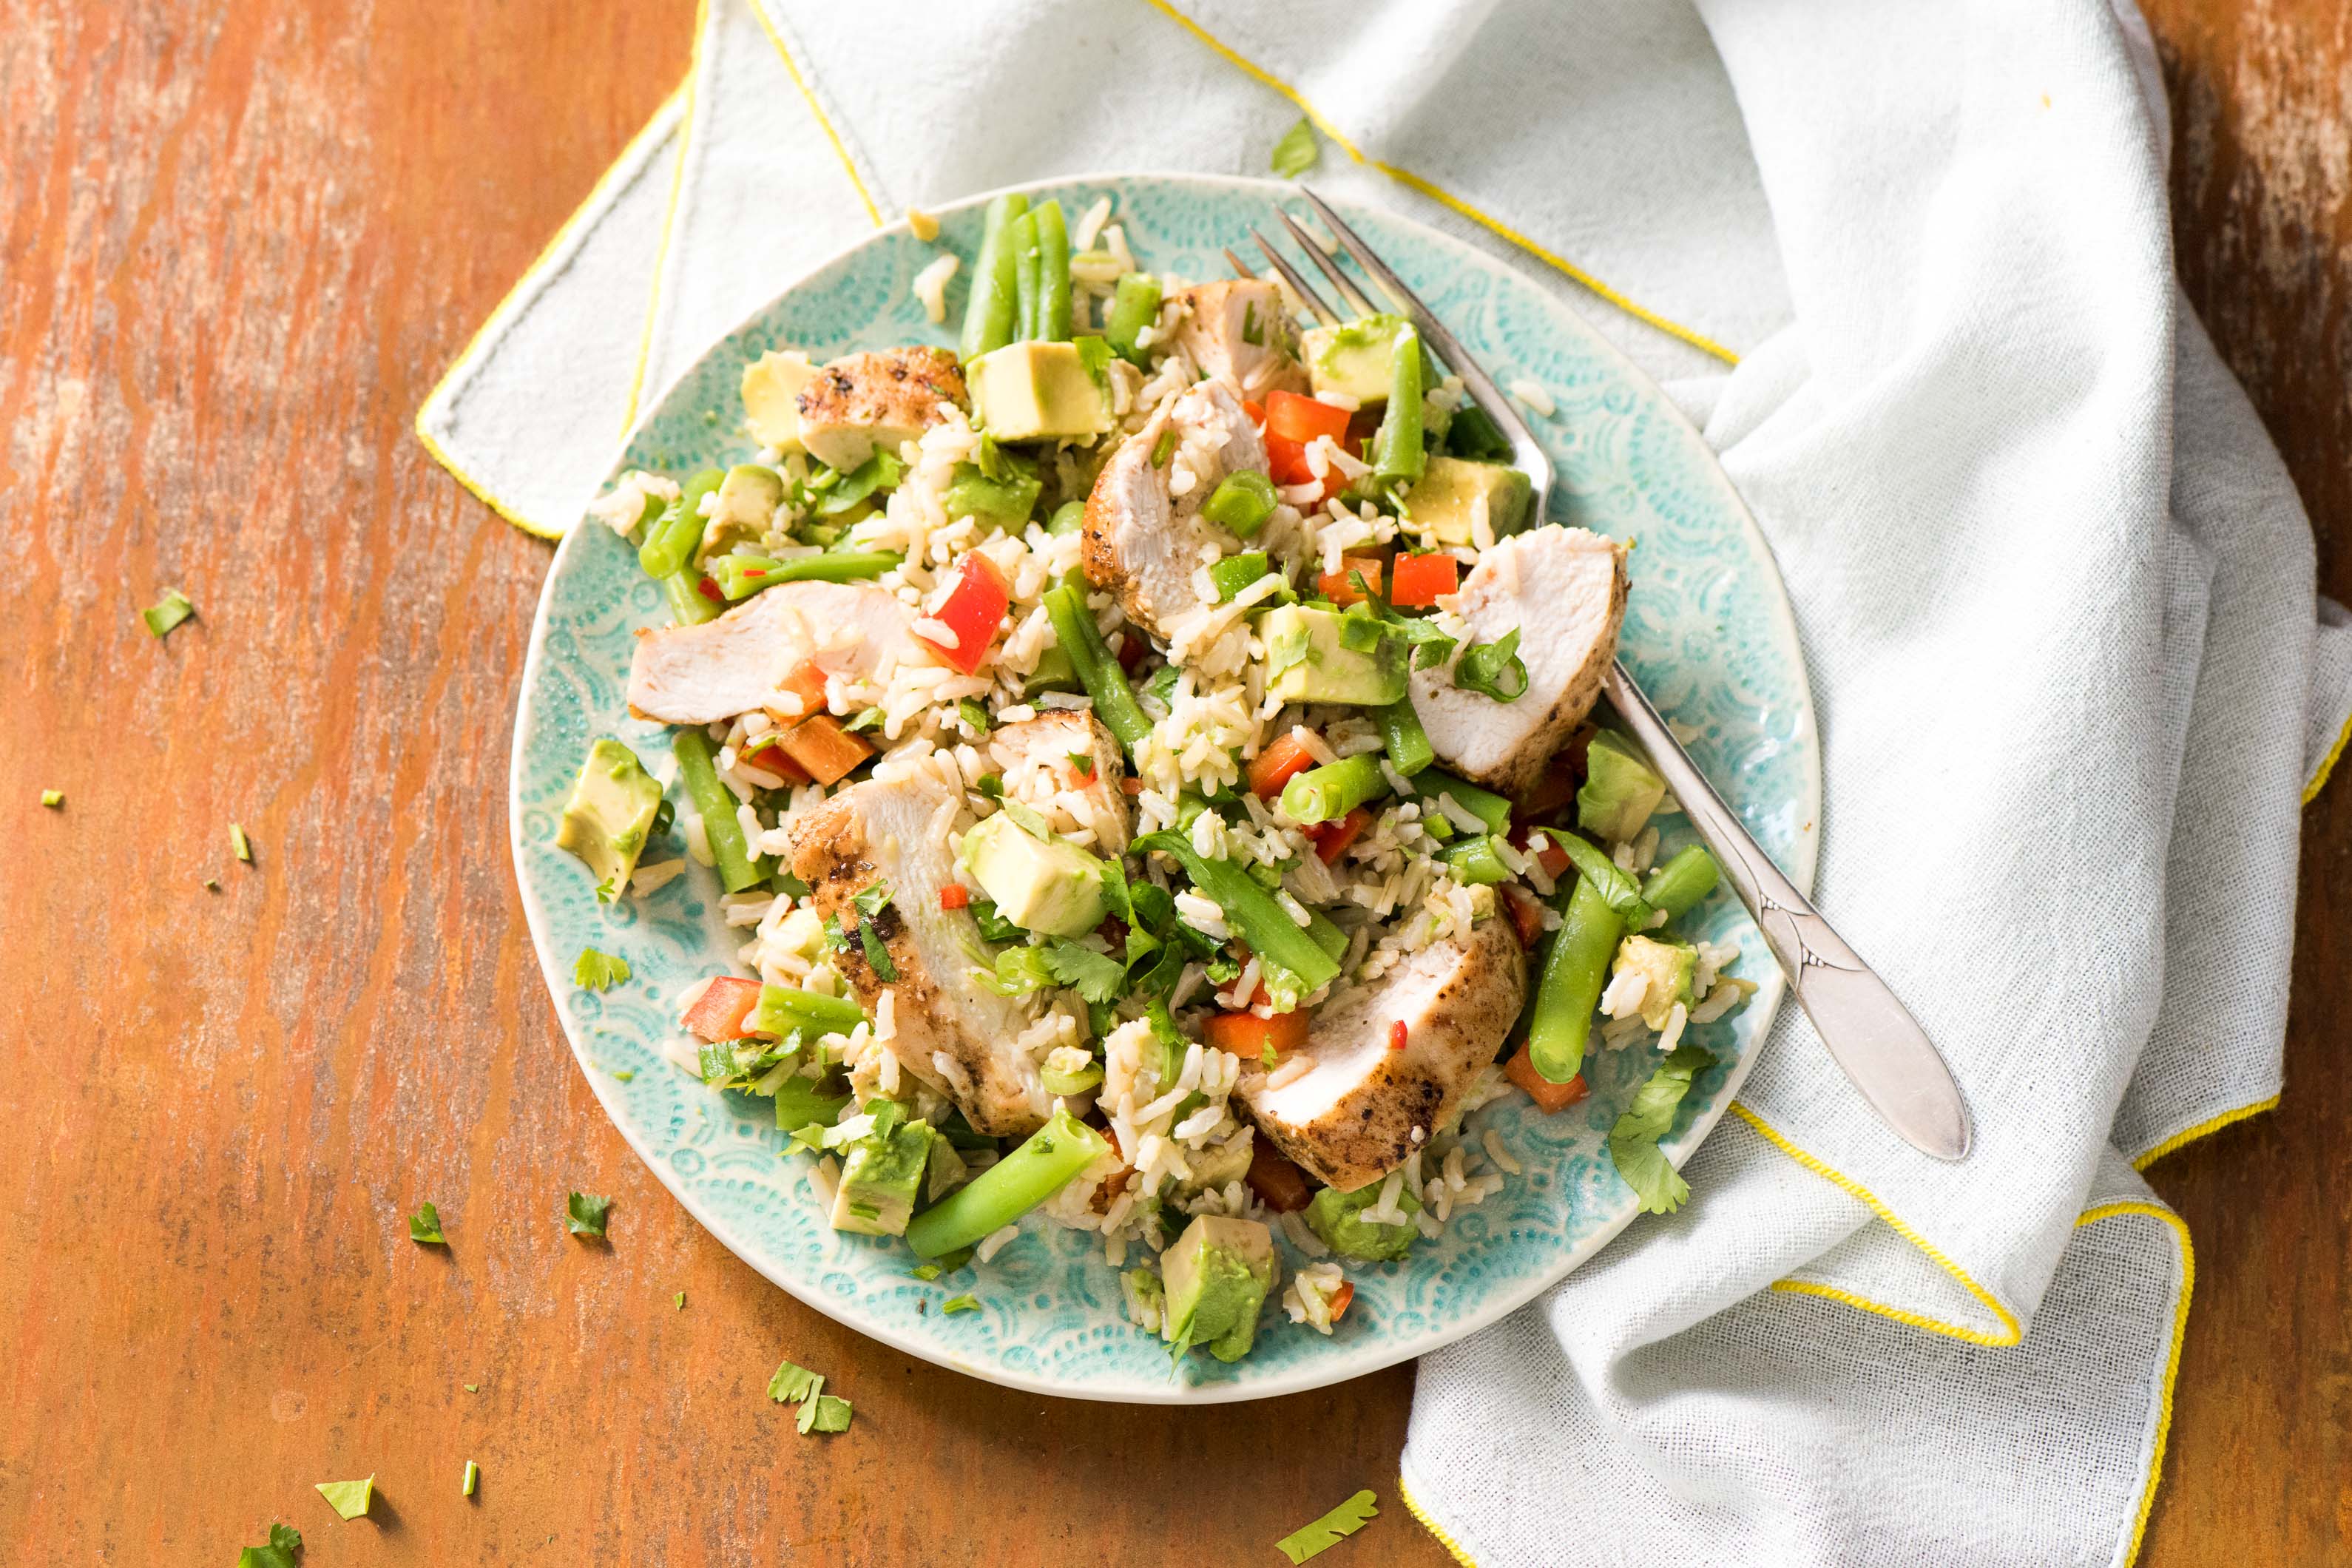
[1327, 1531]
[1633, 1141]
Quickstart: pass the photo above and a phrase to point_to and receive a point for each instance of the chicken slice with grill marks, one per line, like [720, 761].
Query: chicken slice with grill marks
[1144, 536]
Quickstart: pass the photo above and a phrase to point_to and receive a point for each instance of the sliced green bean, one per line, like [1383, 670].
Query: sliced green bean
[1241, 503]
[1685, 878]
[1482, 804]
[1398, 450]
[741, 576]
[1574, 967]
[1049, 1161]
[1068, 518]
[1028, 277]
[689, 604]
[1236, 573]
[782, 1008]
[1098, 667]
[1407, 742]
[1473, 860]
[1611, 880]
[1134, 305]
[670, 541]
[697, 770]
[1335, 789]
[1053, 272]
[1253, 915]
[988, 318]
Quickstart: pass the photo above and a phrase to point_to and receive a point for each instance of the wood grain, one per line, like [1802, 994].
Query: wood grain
[240, 242]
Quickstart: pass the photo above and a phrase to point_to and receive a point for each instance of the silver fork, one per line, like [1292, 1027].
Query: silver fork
[1867, 1028]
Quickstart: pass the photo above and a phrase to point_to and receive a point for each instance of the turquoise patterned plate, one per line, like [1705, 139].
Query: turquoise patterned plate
[1709, 633]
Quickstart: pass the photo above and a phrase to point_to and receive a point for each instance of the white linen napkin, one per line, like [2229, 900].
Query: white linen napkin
[2054, 589]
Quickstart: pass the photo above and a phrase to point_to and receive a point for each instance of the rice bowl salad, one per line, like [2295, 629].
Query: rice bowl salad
[1152, 759]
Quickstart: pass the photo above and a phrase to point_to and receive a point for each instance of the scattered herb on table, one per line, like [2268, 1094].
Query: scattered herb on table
[1327, 1531]
[681, 1300]
[53, 798]
[824, 1413]
[173, 608]
[473, 1388]
[793, 1384]
[473, 1474]
[1296, 151]
[238, 842]
[284, 1551]
[584, 1214]
[425, 1226]
[596, 971]
[349, 1500]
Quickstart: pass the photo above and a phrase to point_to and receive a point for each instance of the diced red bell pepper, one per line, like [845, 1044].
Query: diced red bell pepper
[718, 1013]
[955, 896]
[1549, 1097]
[1338, 587]
[1331, 838]
[1284, 758]
[1279, 1184]
[1294, 418]
[1256, 412]
[711, 590]
[1249, 1036]
[1399, 1036]
[1132, 649]
[1419, 579]
[974, 610]
[1526, 915]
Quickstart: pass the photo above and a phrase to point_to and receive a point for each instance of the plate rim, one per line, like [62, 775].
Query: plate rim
[1372, 1354]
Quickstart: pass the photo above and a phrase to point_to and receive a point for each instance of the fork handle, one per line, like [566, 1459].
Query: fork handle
[1865, 1026]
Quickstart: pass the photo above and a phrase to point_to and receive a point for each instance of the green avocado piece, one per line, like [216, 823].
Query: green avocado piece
[1333, 1216]
[880, 1175]
[1668, 964]
[1619, 791]
[1038, 391]
[747, 498]
[1048, 885]
[1353, 358]
[609, 815]
[1217, 1276]
[1445, 499]
[1310, 662]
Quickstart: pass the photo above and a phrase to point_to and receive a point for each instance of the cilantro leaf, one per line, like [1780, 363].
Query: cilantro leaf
[793, 1383]
[170, 612]
[866, 719]
[1029, 820]
[1297, 152]
[283, 1551]
[1097, 977]
[1019, 970]
[974, 716]
[681, 1300]
[801, 1100]
[425, 1226]
[596, 971]
[1611, 881]
[349, 1500]
[954, 1304]
[990, 785]
[1493, 669]
[1431, 646]
[1083, 762]
[872, 900]
[832, 1414]
[584, 1214]
[878, 957]
[1633, 1141]
[1327, 1531]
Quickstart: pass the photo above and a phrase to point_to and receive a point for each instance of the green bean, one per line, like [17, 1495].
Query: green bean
[670, 541]
[1049, 1161]
[1253, 915]
[988, 318]
[1474, 861]
[1335, 789]
[1400, 732]
[1241, 503]
[697, 770]
[1327, 933]
[1068, 518]
[1053, 272]
[689, 604]
[1099, 670]
[1482, 804]
[1054, 672]
[1236, 573]
[1134, 305]
[1028, 277]
[781, 1009]
[741, 576]
[1681, 882]
[1574, 970]
[1398, 450]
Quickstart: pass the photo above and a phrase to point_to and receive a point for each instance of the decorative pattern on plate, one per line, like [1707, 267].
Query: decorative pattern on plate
[1709, 633]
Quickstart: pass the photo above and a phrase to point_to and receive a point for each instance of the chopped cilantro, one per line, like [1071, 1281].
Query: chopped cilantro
[238, 842]
[583, 1213]
[626, 1075]
[954, 1304]
[473, 1474]
[349, 1500]
[212, 883]
[284, 1551]
[990, 785]
[832, 1415]
[974, 716]
[425, 1226]
[1097, 977]
[594, 971]
[926, 1272]
[1029, 820]
[1493, 669]
[793, 1383]
[681, 1300]
[872, 900]
[1296, 151]
[1633, 1141]
[1084, 762]
[473, 1388]
[994, 925]
[1252, 333]
[173, 608]
[878, 957]
[867, 719]
[1327, 1531]
[53, 798]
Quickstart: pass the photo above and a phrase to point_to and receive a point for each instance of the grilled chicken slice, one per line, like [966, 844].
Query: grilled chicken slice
[1143, 541]
[1564, 589]
[706, 674]
[1349, 1119]
[877, 399]
[1239, 331]
[949, 1033]
[1065, 764]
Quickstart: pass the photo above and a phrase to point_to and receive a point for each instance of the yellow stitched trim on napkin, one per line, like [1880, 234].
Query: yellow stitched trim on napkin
[669, 218]
[2172, 1357]
[1438, 194]
[824, 120]
[497, 320]
[2203, 1128]
[2319, 780]
[2012, 1333]
[1429, 1522]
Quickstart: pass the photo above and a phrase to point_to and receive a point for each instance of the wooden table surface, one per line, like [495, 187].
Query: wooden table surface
[241, 243]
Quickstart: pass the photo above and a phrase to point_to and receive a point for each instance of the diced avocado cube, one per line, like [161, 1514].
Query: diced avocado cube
[1308, 659]
[747, 498]
[1445, 500]
[1337, 1217]
[1354, 357]
[609, 815]
[771, 398]
[1219, 1163]
[1668, 966]
[1217, 1275]
[1619, 792]
[1038, 391]
[1055, 672]
[1048, 885]
[880, 1175]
